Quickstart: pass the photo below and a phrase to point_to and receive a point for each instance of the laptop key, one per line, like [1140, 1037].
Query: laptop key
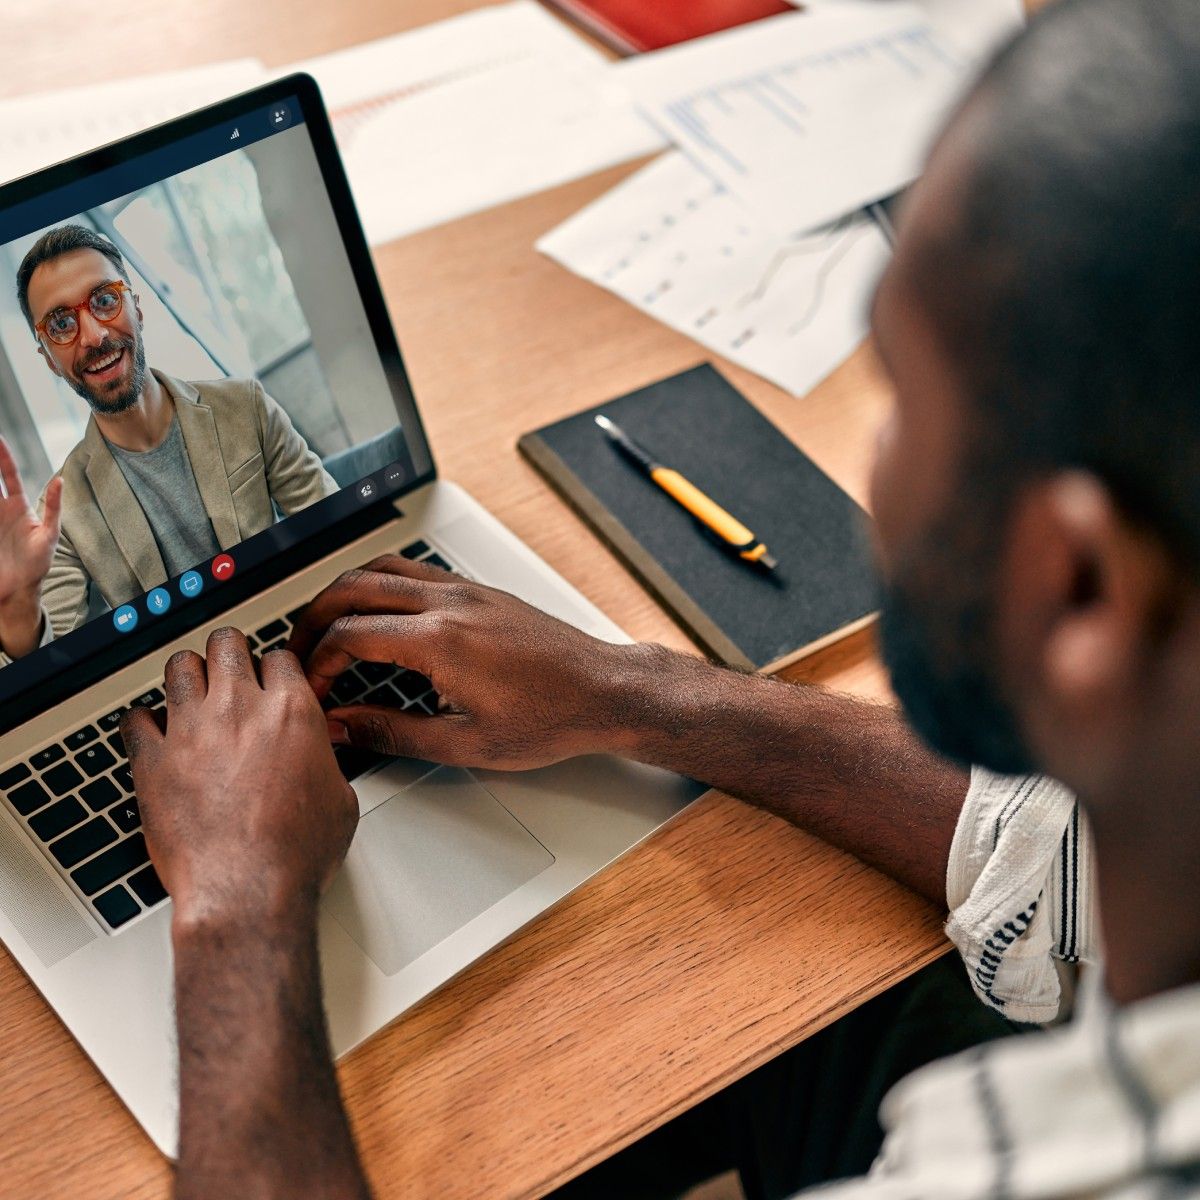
[81, 737]
[295, 614]
[415, 550]
[108, 867]
[58, 818]
[374, 672]
[62, 779]
[126, 815]
[100, 793]
[43, 758]
[81, 842]
[116, 906]
[268, 633]
[29, 797]
[112, 720]
[13, 776]
[410, 685]
[347, 688]
[96, 759]
[124, 776]
[437, 560]
[148, 699]
[148, 887]
[117, 742]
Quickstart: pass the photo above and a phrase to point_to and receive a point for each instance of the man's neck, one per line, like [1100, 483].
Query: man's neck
[144, 426]
[1148, 886]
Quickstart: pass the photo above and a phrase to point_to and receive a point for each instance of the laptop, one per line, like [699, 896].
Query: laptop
[240, 274]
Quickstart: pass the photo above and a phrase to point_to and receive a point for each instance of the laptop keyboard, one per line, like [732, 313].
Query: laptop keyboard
[77, 799]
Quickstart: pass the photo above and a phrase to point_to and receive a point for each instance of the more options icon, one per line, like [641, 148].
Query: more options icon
[223, 567]
[158, 601]
[191, 583]
[125, 618]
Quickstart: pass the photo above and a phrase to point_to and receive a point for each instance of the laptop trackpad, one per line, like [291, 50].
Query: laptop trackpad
[426, 862]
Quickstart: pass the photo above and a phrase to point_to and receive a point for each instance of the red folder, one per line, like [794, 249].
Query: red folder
[630, 26]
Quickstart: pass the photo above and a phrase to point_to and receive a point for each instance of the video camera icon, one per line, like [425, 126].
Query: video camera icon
[125, 618]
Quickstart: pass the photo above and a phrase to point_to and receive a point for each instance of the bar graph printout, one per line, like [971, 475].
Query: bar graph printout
[806, 117]
[674, 244]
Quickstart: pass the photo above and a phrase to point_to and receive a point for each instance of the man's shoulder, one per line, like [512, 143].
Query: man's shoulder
[216, 393]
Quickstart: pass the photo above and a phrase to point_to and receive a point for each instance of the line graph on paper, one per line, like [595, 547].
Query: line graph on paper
[676, 245]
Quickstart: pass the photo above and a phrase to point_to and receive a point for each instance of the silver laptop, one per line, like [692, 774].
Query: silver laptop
[250, 294]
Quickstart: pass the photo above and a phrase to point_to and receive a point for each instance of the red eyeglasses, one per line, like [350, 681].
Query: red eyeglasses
[61, 325]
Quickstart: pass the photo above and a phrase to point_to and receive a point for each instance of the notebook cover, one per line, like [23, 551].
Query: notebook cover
[631, 26]
[702, 426]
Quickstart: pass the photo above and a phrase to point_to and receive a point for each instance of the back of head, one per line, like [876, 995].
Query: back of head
[1065, 287]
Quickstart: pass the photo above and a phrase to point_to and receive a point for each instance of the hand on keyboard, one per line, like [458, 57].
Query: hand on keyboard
[242, 802]
[519, 688]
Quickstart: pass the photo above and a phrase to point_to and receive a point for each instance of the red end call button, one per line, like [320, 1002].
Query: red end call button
[222, 567]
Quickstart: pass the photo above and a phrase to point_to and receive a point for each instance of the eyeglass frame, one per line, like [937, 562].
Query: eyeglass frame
[119, 285]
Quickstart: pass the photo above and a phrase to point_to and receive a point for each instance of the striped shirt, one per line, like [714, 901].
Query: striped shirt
[1105, 1106]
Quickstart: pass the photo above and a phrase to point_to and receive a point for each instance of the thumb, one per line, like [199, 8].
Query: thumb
[52, 509]
[388, 731]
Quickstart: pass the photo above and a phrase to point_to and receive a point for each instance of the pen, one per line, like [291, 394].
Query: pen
[728, 529]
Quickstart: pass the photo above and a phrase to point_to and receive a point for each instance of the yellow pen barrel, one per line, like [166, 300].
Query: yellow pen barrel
[724, 524]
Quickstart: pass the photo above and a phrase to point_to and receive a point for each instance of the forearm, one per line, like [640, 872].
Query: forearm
[260, 1112]
[849, 771]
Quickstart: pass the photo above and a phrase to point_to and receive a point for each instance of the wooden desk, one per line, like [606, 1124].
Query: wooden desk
[722, 941]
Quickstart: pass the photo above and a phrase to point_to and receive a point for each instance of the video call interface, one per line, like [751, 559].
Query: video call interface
[185, 367]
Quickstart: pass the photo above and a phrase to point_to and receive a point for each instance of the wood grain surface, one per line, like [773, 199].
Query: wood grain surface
[722, 940]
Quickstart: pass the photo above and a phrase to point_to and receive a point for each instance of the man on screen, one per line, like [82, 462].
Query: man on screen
[168, 473]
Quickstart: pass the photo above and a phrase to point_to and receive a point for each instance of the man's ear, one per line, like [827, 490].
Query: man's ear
[54, 369]
[1084, 602]
[137, 308]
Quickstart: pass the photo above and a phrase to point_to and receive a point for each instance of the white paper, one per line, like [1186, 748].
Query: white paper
[804, 117]
[48, 127]
[472, 112]
[976, 27]
[674, 244]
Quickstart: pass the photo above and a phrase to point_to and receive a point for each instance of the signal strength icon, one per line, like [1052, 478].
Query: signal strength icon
[233, 137]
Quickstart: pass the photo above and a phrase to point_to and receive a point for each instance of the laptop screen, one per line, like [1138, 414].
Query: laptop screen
[191, 385]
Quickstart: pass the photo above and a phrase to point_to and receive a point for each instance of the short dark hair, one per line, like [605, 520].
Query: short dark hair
[62, 240]
[1066, 288]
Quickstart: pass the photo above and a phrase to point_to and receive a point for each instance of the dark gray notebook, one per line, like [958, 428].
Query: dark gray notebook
[700, 425]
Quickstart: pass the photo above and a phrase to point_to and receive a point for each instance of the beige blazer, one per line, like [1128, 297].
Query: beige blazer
[245, 454]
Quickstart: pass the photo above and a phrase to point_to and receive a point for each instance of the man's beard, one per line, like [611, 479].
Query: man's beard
[119, 402]
[937, 643]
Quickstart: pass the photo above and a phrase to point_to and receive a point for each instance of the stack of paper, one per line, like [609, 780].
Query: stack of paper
[807, 116]
[751, 238]
[472, 112]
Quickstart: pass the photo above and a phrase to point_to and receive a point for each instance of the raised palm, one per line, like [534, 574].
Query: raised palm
[26, 543]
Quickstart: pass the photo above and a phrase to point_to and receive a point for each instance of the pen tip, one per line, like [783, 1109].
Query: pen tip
[768, 562]
[604, 423]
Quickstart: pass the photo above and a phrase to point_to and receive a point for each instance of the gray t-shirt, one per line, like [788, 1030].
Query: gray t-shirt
[165, 486]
